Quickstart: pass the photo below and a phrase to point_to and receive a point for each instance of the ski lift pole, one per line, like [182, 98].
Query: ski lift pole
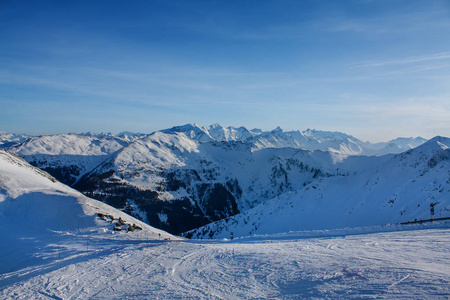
[432, 210]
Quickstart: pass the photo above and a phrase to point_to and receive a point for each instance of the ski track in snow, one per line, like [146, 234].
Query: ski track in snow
[402, 265]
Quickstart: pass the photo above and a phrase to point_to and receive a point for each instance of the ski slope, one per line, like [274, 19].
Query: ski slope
[395, 265]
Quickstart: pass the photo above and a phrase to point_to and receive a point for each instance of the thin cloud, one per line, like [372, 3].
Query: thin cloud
[391, 23]
[443, 56]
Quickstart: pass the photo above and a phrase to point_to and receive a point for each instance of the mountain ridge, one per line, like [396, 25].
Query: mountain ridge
[402, 188]
[188, 176]
[309, 139]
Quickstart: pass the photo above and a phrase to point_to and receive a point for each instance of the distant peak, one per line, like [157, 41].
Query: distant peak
[309, 132]
[439, 138]
[442, 141]
[256, 132]
[181, 127]
[278, 129]
[95, 134]
[215, 125]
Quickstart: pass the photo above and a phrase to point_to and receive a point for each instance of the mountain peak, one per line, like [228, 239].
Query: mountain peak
[215, 125]
[277, 130]
[94, 134]
[443, 142]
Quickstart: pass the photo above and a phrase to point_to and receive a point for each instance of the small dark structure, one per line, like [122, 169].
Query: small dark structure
[101, 216]
[432, 210]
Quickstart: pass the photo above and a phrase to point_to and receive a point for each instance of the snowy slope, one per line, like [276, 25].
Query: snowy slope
[400, 189]
[33, 205]
[391, 265]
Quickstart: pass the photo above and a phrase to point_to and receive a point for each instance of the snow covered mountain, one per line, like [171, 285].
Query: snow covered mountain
[337, 142]
[306, 140]
[68, 156]
[188, 176]
[397, 145]
[31, 199]
[35, 206]
[214, 132]
[11, 139]
[398, 189]
[309, 140]
[170, 177]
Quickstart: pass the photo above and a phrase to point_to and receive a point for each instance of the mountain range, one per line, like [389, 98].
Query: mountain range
[398, 189]
[185, 177]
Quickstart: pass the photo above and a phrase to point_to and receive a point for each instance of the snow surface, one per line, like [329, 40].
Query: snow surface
[394, 265]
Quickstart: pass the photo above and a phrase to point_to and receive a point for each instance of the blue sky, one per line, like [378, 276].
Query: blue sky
[375, 69]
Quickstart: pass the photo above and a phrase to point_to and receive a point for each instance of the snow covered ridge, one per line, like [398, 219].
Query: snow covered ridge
[33, 202]
[11, 139]
[70, 144]
[307, 140]
[68, 156]
[401, 189]
[188, 176]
